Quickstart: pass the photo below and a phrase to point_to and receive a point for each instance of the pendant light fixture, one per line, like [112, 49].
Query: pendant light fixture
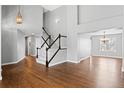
[104, 39]
[19, 16]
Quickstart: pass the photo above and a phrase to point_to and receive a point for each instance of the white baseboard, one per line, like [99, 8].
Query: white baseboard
[51, 64]
[107, 56]
[9, 63]
[72, 61]
[0, 77]
[33, 55]
[84, 58]
[41, 62]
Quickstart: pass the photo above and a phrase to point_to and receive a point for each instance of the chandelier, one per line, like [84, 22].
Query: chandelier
[104, 39]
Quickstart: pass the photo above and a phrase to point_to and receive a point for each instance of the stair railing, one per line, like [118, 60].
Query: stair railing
[50, 45]
[45, 40]
[59, 48]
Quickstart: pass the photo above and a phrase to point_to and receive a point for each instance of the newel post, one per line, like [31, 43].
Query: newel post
[59, 41]
[37, 53]
[47, 63]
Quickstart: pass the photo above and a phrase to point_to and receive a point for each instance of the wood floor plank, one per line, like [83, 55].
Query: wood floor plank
[99, 72]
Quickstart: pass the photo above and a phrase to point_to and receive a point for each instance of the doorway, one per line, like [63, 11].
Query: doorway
[105, 43]
[26, 46]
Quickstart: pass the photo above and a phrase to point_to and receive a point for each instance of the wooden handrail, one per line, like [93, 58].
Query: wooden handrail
[54, 41]
[45, 41]
[53, 55]
[42, 45]
[59, 36]
[47, 63]
[45, 31]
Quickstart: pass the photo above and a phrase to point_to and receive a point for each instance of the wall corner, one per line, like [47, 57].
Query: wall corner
[0, 45]
[122, 69]
[0, 74]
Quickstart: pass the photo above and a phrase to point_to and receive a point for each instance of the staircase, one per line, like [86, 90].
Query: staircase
[45, 51]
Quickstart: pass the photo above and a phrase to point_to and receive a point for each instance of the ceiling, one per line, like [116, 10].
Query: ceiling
[50, 7]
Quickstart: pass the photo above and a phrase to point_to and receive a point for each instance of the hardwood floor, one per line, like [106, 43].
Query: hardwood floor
[100, 72]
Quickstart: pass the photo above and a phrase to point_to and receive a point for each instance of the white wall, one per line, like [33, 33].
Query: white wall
[84, 46]
[32, 19]
[123, 49]
[20, 44]
[91, 20]
[39, 41]
[118, 46]
[89, 13]
[123, 43]
[72, 48]
[9, 34]
[0, 44]
[13, 41]
[89, 26]
[56, 22]
[13, 44]
[32, 45]
[100, 17]
[59, 58]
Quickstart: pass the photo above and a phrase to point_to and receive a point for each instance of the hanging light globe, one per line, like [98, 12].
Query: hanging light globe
[19, 17]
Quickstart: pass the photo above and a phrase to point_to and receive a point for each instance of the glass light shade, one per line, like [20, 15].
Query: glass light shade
[104, 39]
[19, 18]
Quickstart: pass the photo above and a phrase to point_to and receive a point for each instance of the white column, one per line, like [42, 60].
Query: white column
[72, 34]
[0, 44]
[123, 47]
[123, 43]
